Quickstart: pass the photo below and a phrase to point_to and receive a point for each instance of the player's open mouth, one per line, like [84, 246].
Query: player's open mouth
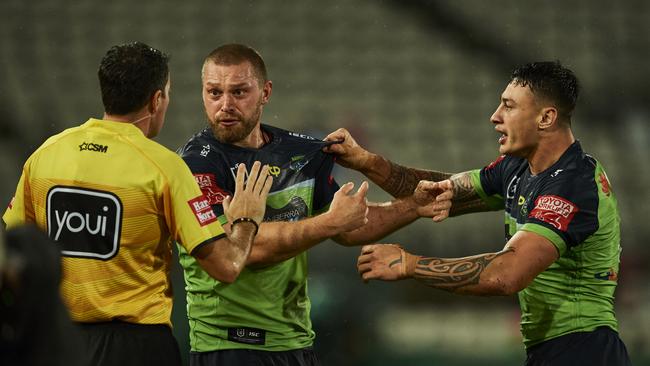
[503, 138]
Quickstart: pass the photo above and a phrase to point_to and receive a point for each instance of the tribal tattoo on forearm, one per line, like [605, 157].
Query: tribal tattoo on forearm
[453, 274]
[465, 200]
[463, 188]
[402, 181]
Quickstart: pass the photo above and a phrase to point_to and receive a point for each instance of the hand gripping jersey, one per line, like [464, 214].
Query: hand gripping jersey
[112, 199]
[265, 308]
[572, 205]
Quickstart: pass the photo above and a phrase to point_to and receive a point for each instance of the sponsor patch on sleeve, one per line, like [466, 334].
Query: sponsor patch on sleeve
[554, 210]
[604, 184]
[208, 184]
[202, 210]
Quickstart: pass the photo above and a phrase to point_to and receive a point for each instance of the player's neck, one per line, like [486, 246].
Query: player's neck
[255, 140]
[549, 151]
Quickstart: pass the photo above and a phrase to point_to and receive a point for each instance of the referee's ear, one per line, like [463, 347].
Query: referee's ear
[154, 101]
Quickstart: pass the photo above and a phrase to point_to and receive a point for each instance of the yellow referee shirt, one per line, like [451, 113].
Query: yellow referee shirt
[113, 200]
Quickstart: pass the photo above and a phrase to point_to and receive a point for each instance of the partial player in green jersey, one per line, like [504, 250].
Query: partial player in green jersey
[562, 225]
[263, 318]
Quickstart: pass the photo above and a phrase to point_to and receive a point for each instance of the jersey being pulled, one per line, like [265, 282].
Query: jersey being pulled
[112, 199]
[265, 308]
[573, 206]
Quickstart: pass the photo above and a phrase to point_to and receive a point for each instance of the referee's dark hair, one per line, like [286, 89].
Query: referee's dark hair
[550, 81]
[129, 75]
[235, 54]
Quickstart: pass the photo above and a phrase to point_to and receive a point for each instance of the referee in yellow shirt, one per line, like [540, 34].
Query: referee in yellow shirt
[114, 200]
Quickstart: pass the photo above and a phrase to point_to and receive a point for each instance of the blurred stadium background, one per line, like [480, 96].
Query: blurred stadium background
[415, 80]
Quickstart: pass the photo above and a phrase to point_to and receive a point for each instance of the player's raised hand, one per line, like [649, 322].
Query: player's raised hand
[434, 199]
[348, 211]
[386, 262]
[349, 153]
[249, 199]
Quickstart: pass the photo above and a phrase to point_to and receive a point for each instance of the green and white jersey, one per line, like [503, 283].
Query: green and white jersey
[266, 308]
[572, 205]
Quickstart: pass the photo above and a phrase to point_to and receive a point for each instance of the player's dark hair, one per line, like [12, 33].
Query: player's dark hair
[129, 75]
[235, 54]
[550, 81]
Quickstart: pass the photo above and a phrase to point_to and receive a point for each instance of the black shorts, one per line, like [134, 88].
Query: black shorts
[601, 347]
[126, 344]
[249, 357]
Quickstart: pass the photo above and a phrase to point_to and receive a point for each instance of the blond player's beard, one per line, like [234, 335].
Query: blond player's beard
[231, 135]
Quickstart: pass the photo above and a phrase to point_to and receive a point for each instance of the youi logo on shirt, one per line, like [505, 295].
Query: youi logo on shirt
[86, 223]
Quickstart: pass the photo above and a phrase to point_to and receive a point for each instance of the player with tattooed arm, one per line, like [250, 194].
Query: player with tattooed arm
[562, 249]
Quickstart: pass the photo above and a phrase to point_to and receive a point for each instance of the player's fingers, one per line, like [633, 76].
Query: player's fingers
[364, 267]
[446, 195]
[266, 188]
[346, 188]
[440, 216]
[446, 184]
[367, 249]
[334, 149]
[259, 184]
[226, 203]
[367, 276]
[253, 175]
[239, 179]
[364, 258]
[363, 190]
[336, 135]
[427, 185]
[441, 205]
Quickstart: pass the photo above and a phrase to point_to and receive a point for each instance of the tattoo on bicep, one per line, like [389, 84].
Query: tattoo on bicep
[402, 181]
[453, 274]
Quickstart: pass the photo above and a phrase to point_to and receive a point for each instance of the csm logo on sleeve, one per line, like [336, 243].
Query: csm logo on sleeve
[86, 223]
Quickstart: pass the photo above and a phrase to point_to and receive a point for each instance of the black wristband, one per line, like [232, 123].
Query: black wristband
[245, 219]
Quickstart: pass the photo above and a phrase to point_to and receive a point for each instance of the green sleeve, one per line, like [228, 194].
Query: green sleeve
[549, 234]
[495, 202]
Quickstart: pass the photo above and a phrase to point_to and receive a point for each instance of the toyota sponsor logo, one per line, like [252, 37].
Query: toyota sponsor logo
[555, 204]
[554, 210]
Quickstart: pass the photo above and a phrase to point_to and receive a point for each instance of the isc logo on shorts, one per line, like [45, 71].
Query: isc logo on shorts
[86, 223]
